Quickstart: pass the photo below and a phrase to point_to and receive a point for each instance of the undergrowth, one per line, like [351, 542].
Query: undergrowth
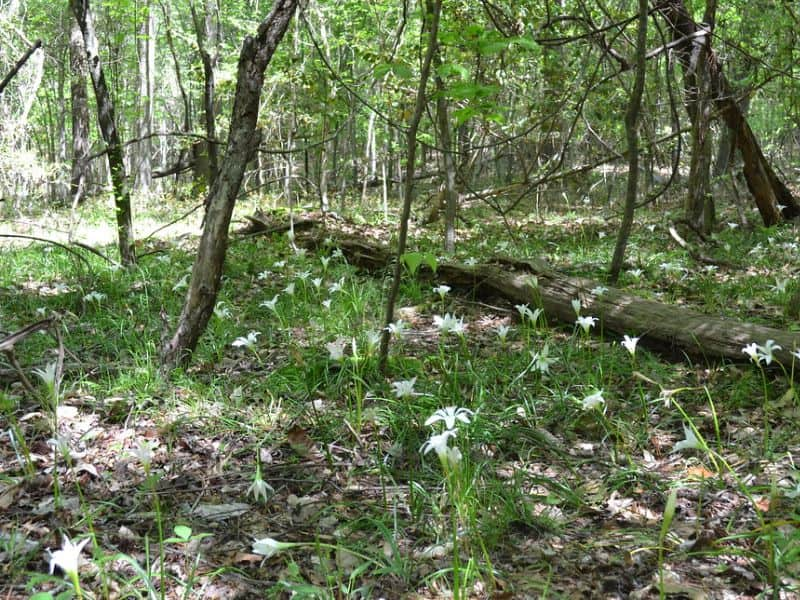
[560, 469]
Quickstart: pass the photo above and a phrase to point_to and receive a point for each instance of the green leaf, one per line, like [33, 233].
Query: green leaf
[182, 531]
[413, 260]
[452, 70]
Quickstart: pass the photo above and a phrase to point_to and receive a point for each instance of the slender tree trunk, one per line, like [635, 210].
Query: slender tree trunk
[243, 140]
[80, 116]
[108, 128]
[187, 108]
[206, 34]
[699, 203]
[448, 162]
[432, 21]
[632, 134]
[772, 197]
[143, 150]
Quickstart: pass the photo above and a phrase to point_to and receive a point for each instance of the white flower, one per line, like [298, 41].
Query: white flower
[586, 323]
[221, 311]
[248, 342]
[398, 328]
[336, 349]
[404, 389]
[289, 289]
[599, 290]
[259, 487]
[636, 273]
[442, 290]
[47, 375]
[317, 281]
[449, 324]
[526, 313]
[325, 260]
[576, 306]
[438, 443]
[264, 275]
[796, 354]
[752, 351]
[279, 264]
[373, 340]
[269, 547]
[100, 296]
[732, 225]
[304, 275]
[767, 349]
[453, 456]
[780, 285]
[450, 414]
[541, 361]
[593, 400]
[471, 261]
[336, 286]
[630, 343]
[67, 557]
[690, 441]
[502, 332]
[143, 452]
[271, 304]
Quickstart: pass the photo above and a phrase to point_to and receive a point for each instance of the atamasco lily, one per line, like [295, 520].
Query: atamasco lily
[450, 414]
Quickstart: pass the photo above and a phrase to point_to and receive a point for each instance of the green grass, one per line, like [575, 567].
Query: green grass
[537, 469]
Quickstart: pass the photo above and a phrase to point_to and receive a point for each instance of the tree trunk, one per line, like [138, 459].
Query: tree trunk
[672, 329]
[143, 150]
[448, 160]
[243, 140]
[699, 205]
[432, 22]
[80, 116]
[206, 34]
[772, 197]
[632, 135]
[108, 128]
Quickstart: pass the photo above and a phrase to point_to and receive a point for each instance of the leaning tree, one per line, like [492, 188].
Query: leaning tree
[243, 140]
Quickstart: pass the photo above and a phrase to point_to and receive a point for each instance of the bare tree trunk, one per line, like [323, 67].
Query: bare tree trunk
[772, 197]
[432, 21]
[699, 205]
[108, 128]
[243, 139]
[206, 34]
[143, 149]
[632, 134]
[80, 116]
[187, 109]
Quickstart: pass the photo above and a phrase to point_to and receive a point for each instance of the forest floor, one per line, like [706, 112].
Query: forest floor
[585, 467]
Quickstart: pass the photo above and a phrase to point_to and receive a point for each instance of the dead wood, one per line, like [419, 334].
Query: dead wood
[664, 327]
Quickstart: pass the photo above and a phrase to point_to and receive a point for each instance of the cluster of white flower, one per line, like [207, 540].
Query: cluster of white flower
[450, 416]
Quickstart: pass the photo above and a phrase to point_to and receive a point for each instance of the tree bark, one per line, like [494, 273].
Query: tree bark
[666, 328]
[80, 116]
[632, 135]
[432, 21]
[143, 150]
[206, 34]
[773, 199]
[243, 139]
[108, 128]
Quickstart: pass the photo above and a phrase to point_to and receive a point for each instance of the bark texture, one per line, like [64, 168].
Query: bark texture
[80, 116]
[668, 328]
[108, 128]
[243, 140]
[772, 197]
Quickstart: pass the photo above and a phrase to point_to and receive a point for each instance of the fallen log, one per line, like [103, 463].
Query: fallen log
[663, 327]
